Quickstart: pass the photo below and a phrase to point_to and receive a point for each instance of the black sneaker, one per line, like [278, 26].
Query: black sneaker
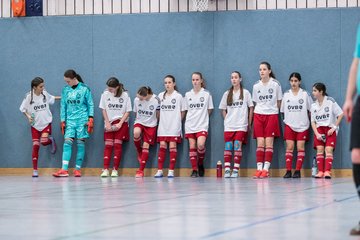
[297, 174]
[287, 174]
[194, 174]
[201, 170]
[355, 231]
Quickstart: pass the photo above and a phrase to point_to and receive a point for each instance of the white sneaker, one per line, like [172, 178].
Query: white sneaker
[114, 173]
[159, 174]
[234, 174]
[105, 173]
[35, 173]
[170, 174]
[227, 173]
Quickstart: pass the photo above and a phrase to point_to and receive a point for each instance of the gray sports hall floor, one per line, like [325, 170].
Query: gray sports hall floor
[181, 208]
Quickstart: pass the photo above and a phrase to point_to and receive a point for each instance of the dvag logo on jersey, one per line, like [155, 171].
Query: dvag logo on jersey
[40, 107]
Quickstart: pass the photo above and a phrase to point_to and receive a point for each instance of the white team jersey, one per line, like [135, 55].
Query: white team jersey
[170, 115]
[236, 118]
[295, 109]
[39, 109]
[266, 96]
[146, 111]
[115, 107]
[326, 114]
[197, 105]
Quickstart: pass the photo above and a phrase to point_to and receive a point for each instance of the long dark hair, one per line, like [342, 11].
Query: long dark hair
[320, 87]
[34, 83]
[173, 79]
[201, 77]
[72, 74]
[272, 74]
[144, 91]
[114, 83]
[229, 100]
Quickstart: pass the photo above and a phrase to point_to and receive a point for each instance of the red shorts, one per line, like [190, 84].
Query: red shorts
[290, 134]
[196, 135]
[36, 134]
[121, 134]
[238, 135]
[169, 139]
[266, 125]
[330, 141]
[148, 133]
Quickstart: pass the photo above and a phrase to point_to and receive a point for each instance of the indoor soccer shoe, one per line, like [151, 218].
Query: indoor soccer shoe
[227, 173]
[61, 173]
[35, 173]
[287, 174]
[320, 174]
[114, 173]
[105, 173]
[297, 174]
[327, 175]
[264, 174]
[170, 174]
[77, 173]
[159, 174]
[201, 170]
[234, 174]
[257, 174]
[139, 174]
[194, 174]
[53, 145]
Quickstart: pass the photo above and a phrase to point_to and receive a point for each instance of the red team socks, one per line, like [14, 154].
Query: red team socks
[260, 154]
[328, 162]
[193, 158]
[227, 156]
[237, 159]
[161, 157]
[107, 152]
[268, 154]
[320, 161]
[201, 156]
[117, 153]
[35, 153]
[144, 158]
[300, 159]
[173, 155]
[137, 142]
[45, 141]
[288, 160]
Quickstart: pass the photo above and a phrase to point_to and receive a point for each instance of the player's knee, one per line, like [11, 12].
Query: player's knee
[237, 145]
[229, 146]
[355, 155]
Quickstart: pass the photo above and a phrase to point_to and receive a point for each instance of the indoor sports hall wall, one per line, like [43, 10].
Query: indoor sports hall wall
[142, 49]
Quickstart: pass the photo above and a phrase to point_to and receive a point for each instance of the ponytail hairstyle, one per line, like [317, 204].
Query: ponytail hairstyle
[113, 82]
[320, 87]
[144, 91]
[229, 100]
[200, 75]
[173, 80]
[272, 74]
[72, 74]
[34, 83]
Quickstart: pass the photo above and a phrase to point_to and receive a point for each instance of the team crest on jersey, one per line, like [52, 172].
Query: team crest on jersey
[202, 99]
[78, 95]
[121, 100]
[108, 99]
[173, 101]
[326, 109]
[288, 100]
[301, 101]
[259, 91]
[139, 105]
[271, 90]
[190, 99]
[151, 107]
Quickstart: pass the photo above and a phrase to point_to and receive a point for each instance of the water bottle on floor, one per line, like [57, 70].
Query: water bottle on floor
[314, 168]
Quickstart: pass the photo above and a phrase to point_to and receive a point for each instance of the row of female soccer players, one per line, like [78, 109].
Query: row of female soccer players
[159, 118]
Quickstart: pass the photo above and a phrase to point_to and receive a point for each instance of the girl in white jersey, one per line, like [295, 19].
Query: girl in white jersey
[326, 116]
[116, 107]
[169, 129]
[237, 109]
[267, 95]
[146, 108]
[296, 109]
[35, 107]
[198, 105]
